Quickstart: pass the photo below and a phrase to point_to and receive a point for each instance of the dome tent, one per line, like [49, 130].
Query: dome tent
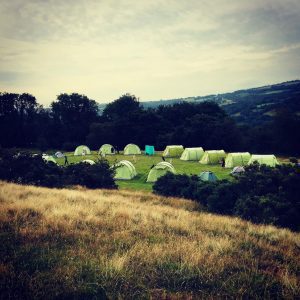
[192, 153]
[149, 150]
[212, 157]
[59, 154]
[237, 159]
[132, 149]
[49, 158]
[159, 170]
[268, 160]
[106, 149]
[88, 161]
[208, 176]
[173, 151]
[82, 150]
[237, 171]
[124, 170]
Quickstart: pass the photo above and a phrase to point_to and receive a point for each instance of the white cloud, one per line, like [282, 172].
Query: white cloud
[155, 49]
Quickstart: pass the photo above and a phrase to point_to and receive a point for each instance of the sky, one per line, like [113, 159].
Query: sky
[154, 49]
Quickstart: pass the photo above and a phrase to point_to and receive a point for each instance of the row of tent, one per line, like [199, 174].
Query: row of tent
[212, 157]
[209, 157]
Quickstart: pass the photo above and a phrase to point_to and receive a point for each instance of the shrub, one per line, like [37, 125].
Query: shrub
[262, 194]
[99, 175]
[24, 168]
[293, 160]
[223, 197]
[176, 186]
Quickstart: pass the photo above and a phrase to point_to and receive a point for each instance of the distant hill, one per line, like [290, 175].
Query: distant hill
[250, 106]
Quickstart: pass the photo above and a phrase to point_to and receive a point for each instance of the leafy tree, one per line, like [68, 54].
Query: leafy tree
[18, 115]
[121, 108]
[73, 114]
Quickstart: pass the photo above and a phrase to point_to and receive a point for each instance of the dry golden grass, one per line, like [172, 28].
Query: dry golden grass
[125, 244]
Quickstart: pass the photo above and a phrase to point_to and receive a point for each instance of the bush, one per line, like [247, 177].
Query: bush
[23, 168]
[293, 160]
[99, 175]
[176, 186]
[262, 194]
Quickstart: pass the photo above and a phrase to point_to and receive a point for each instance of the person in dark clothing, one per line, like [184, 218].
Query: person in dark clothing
[223, 162]
[66, 160]
[163, 158]
[117, 149]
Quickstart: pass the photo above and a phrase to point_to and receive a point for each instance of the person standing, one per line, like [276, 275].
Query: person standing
[66, 160]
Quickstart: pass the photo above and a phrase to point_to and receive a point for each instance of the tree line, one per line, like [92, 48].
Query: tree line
[74, 119]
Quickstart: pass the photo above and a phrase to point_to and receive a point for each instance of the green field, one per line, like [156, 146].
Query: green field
[143, 164]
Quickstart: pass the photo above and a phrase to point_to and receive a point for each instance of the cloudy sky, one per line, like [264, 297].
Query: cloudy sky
[155, 49]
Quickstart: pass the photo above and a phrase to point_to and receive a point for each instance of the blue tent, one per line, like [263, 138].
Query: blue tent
[208, 176]
[149, 150]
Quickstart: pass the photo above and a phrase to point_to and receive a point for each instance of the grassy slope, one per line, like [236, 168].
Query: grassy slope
[143, 164]
[77, 243]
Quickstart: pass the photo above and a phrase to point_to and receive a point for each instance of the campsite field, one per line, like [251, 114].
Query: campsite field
[143, 164]
[89, 244]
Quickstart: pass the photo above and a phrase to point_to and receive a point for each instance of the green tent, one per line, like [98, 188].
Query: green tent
[82, 150]
[124, 170]
[88, 161]
[132, 149]
[149, 150]
[159, 170]
[208, 176]
[269, 160]
[192, 153]
[106, 149]
[212, 157]
[237, 159]
[173, 151]
[49, 158]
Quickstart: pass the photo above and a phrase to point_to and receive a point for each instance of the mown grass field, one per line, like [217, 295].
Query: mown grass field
[143, 164]
[75, 244]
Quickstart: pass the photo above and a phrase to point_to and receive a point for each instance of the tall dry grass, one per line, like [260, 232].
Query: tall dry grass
[83, 243]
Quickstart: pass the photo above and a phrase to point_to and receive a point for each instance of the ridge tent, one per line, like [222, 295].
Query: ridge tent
[124, 170]
[237, 159]
[149, 150]
[192, 153]
[268, 160]
[49, 158]
[237, 171]
[88, 161]
[212, 157]
[106, 149]
[159, 170]
[173, 151]
[59, 154]
[208, 176]
[82, 150]
[132, 149]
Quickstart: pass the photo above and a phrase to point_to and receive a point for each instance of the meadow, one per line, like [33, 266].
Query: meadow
[143, 164]
[81, 243]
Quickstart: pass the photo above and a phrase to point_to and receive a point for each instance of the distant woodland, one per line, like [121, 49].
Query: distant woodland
[74, 119]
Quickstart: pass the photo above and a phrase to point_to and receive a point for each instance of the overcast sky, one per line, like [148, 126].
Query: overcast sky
[155, 49]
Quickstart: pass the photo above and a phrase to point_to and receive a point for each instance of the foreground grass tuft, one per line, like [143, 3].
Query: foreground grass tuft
[82, 244]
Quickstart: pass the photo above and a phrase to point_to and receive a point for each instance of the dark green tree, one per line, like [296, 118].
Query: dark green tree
[72, 115]
[122, 107]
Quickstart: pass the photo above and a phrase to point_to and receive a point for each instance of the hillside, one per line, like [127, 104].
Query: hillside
[250, 106]
[83, 243]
